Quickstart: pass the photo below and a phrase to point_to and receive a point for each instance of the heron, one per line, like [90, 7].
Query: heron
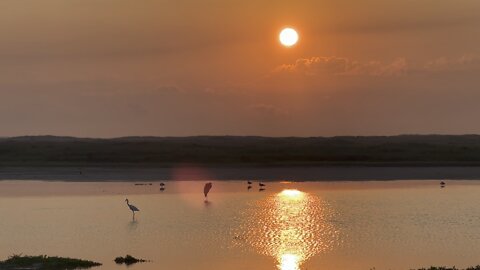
[132, 207]
[206, 189]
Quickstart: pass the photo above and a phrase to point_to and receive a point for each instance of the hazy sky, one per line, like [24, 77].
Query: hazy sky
[107, 68]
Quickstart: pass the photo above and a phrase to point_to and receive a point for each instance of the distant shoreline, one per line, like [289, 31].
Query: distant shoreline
[213, 151]
[240, 172]
[238, 158]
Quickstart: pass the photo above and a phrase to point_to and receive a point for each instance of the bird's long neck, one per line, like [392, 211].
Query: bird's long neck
[128, 203]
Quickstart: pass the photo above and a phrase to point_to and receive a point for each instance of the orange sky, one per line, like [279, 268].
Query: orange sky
[105, 68]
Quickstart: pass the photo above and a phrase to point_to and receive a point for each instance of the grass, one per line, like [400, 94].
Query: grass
[450, 268]
[128, 260]
[42, 262]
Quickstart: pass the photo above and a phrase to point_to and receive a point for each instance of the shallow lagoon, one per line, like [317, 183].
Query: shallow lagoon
[290, 225]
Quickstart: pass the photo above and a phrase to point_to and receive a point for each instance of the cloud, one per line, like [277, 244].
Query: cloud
[343, 66]
[339, 66]
[398, 67]
[463, 63]
[316, 65]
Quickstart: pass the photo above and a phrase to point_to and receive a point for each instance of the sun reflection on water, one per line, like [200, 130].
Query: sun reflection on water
[291, 193]
[290, 226]
[289, 262]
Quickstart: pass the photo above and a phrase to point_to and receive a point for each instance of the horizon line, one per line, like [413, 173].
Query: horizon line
[236, 136]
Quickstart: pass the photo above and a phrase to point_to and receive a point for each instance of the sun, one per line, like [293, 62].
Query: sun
[288, 37]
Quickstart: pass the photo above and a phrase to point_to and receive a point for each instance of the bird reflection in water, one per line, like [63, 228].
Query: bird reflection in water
[290, 226]
[132, 225]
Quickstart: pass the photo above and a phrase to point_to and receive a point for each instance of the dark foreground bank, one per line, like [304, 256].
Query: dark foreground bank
[58, 263]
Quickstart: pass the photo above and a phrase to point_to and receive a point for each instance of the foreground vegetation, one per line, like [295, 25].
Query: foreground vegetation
[128, 260]
[408, 149]
[43, 262]
[450, 268]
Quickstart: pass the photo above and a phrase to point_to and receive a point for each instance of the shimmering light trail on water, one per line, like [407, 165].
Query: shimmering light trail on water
[290, 226]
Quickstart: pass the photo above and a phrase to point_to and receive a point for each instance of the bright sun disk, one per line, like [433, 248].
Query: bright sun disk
[288, 37]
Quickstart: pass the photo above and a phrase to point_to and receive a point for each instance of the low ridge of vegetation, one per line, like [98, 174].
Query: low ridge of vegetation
[43, 262]
[162, 151]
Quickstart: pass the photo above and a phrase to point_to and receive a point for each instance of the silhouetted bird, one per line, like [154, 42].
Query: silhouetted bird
[249, 182]
[162, 184]
[261, 184]
[442, 183]
[162, 189]
[249, 187]
[261, 189]
[206, 189]
[133, 208]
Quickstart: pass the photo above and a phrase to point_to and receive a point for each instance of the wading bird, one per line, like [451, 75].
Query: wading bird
[132, 207]
[162, 184]
[261, 184]
[249, 182]
[206, 189]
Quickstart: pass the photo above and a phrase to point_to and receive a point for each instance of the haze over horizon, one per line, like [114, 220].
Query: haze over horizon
[115, 68]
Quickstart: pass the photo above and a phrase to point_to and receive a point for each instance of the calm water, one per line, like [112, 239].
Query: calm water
[307, 225]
